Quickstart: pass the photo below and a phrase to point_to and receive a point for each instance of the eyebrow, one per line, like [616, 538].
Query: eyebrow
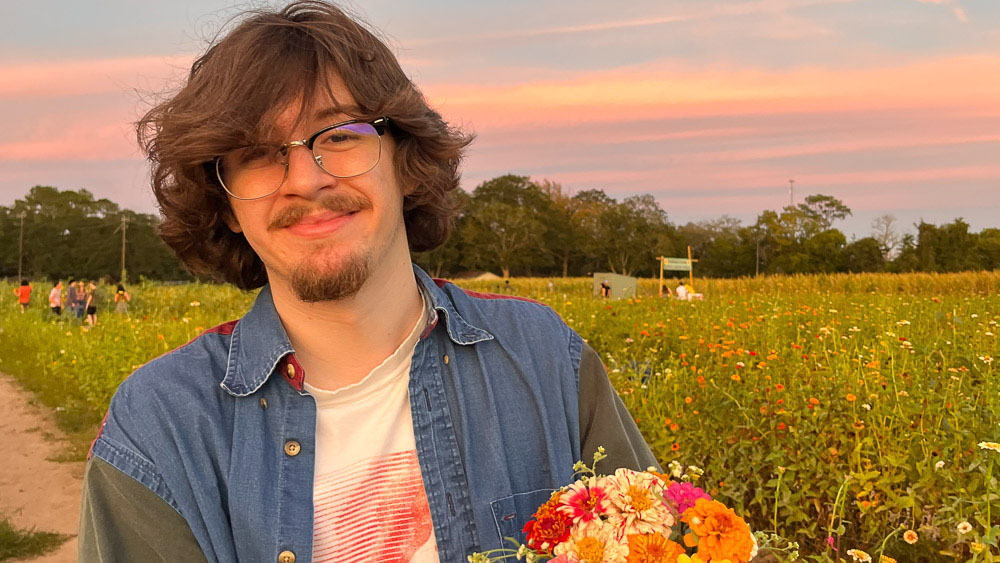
[347, 112]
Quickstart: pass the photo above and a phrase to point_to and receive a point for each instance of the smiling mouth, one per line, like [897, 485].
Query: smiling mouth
[320, 224]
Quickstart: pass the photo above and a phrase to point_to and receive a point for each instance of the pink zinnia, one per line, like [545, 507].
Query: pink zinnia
[584, 501]
[684, 495]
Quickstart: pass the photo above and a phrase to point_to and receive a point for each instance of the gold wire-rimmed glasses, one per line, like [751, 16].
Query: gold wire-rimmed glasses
[342, 150]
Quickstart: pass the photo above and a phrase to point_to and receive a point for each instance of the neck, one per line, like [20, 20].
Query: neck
[339, 342]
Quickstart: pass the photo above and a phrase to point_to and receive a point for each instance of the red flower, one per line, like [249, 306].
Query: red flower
[549, 528]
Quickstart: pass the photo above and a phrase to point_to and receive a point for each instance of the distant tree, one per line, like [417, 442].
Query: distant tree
[988, 248]
[449, 258]
[884, 233]
[70, 233]
[864, 255]
[821, 211]
[907, 259]
[503, 228]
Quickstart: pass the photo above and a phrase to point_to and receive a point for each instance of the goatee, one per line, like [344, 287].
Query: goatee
[314, 284]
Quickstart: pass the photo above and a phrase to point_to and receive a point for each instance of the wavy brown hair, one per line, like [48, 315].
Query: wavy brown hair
[269, 60]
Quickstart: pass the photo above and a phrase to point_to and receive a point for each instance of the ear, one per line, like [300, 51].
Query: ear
[229, 218]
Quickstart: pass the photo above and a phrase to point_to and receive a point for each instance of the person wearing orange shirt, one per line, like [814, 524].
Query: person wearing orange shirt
[23, 294]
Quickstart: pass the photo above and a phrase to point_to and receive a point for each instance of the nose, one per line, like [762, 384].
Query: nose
[304, 177]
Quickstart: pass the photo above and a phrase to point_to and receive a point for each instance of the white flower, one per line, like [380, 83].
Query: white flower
[194, 304]
[989, 446]
[939, 464]
[964, 527]
[675, 469]
[611, 550]
[637, 498]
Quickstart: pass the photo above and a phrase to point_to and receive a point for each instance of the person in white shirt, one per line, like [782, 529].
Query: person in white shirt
[682, 292]
[55, 298]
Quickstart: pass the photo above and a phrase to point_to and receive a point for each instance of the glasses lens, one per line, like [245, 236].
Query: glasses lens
[251, 172]
[349, 150]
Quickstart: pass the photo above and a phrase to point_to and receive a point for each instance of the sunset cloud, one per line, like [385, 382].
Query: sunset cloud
[53, 79]
[694, 13]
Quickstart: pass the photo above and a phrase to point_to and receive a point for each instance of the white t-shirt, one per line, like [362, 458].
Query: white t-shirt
[682, 291]
[369, 501]
[55, 298]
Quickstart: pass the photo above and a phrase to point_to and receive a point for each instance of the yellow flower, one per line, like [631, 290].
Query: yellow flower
[976, 547]
[910, 537]
[858, 555]
[886, 559]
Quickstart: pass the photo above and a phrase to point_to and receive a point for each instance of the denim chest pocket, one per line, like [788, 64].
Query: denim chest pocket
[513, 512]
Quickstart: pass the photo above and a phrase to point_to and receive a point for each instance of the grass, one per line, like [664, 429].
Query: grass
[18, 543]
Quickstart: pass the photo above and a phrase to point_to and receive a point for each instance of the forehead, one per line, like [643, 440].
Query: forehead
[329, 103]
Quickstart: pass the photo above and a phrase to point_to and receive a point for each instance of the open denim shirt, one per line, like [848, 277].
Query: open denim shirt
[496, 426]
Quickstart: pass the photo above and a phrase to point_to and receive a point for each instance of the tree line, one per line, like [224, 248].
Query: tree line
[512, 225]
[70, 234]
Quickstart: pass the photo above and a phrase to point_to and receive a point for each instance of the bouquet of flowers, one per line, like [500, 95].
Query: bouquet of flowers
[630, 517]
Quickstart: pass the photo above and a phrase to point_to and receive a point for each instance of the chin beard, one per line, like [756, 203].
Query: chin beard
[312, 284]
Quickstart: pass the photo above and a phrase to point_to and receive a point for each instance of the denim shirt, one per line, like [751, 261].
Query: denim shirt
[222, 430]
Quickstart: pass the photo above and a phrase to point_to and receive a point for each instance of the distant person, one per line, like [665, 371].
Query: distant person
[91, 304]
[683, 292]
[81, 299]
[605, 289]
[55, 298]
[71, 296]
[121, 300]
[23, 293]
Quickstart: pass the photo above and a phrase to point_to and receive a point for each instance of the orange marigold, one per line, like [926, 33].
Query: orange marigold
[721, 533]
[652, 548]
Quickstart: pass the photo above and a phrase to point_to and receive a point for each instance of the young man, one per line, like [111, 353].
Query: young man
[360, 411]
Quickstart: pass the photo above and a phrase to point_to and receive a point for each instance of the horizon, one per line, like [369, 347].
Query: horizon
[888, 105]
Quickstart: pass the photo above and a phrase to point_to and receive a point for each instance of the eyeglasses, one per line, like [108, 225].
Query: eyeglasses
[342, 150]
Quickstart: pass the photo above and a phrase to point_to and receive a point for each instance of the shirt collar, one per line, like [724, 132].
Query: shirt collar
[260, 344]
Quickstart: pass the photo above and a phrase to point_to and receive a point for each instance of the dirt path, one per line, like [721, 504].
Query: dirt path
[35, 492]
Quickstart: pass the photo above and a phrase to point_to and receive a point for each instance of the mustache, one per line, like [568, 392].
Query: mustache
[336, 202]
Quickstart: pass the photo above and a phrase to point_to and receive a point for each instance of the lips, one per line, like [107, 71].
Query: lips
[320, 224]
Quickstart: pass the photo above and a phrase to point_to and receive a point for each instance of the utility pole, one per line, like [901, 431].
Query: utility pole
[124, 228]
[20, 248]
[757, 272]
[791, 193]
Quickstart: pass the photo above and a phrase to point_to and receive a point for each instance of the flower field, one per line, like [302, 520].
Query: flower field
[839, 412]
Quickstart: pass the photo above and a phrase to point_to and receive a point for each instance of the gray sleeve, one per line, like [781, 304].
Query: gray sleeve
[604, 421]
[122, 520]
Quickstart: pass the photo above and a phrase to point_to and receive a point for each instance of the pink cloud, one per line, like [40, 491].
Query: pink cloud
[52, 79]
[667, 89]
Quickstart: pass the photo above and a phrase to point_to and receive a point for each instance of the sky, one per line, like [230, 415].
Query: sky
[712, 106]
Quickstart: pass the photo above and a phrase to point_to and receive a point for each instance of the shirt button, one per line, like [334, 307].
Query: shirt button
[446, 359]
[290, 371]
[263, 403]
[286, 557]
[292, 448]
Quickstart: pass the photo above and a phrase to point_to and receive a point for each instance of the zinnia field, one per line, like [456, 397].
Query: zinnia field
[855, 415]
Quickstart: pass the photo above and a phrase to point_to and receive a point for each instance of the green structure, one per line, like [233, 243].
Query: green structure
[622, 287]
